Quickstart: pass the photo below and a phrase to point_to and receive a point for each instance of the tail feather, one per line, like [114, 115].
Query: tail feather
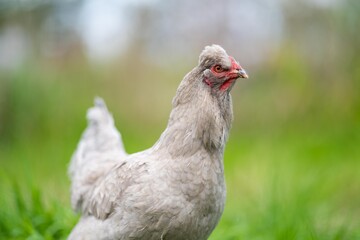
[99, 149]
[99, 114]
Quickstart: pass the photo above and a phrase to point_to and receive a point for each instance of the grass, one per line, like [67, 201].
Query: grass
[292, 160]
[29, 217]
[278, 188]
[276, 194]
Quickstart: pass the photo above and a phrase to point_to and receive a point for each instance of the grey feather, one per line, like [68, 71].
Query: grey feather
[173, 190]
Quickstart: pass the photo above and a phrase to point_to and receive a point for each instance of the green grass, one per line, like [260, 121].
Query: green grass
[30, 217]
[286, 187]
[278, 191]
[292, 160]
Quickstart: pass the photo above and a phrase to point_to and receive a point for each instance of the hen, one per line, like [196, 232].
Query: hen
[173, 190]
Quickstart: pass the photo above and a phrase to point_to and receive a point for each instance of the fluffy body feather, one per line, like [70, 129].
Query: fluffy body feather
[175, 189]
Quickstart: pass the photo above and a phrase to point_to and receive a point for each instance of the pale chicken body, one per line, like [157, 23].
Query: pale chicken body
[175, 189]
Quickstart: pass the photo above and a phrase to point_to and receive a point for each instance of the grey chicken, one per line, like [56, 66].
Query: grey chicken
[173, 190]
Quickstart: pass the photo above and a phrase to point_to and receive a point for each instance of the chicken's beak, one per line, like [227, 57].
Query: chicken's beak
[243, 74]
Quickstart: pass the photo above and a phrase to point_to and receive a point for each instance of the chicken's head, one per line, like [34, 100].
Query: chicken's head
[219, 69]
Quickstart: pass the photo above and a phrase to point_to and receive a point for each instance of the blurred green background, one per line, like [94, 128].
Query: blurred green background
[293, 157]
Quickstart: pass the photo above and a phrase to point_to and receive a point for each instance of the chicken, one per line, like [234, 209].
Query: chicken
[173, 190]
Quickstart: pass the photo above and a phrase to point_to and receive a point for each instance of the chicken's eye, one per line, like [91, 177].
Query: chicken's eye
[218, 69]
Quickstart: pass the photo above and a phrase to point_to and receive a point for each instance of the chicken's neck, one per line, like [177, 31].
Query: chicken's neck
[200, 119]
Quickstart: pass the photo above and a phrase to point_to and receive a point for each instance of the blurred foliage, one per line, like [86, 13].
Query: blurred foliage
[292, 161]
